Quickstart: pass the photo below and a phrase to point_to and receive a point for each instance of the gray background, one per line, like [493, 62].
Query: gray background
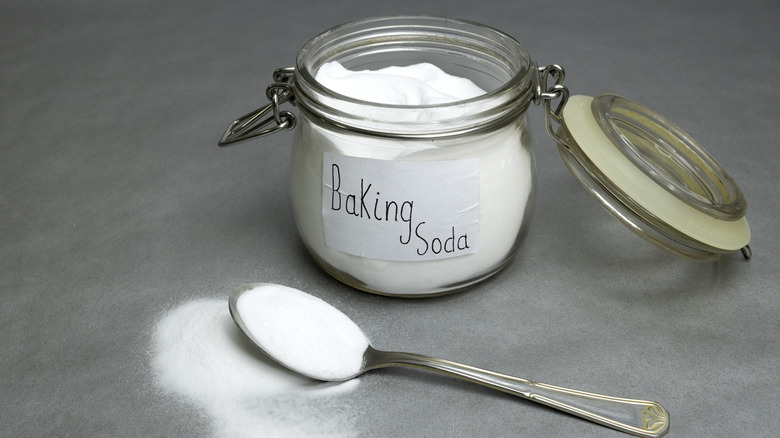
[116, 205]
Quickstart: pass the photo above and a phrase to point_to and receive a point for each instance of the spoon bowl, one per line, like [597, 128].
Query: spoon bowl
[310, 337]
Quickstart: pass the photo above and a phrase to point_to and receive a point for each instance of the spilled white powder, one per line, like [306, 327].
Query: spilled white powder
[506, 180]
[303, 332]
[200, 354]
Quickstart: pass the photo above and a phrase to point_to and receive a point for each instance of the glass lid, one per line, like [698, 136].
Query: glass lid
[653, 177]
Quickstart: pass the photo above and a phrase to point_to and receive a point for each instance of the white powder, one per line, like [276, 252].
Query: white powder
[200, 354]
[303, 331]
[419, 84]
[506, 170]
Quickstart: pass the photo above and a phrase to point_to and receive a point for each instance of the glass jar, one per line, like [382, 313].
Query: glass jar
[414, 200]
[419, 200]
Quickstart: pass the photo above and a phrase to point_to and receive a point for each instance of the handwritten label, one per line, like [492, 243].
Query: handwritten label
[400, 210]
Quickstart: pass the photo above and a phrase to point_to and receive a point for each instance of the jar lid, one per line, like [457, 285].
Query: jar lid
[653, 177]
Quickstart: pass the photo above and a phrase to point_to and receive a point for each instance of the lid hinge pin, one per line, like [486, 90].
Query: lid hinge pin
[545, 95]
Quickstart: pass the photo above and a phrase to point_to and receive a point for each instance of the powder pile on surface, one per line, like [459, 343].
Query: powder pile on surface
[200, 354]
[303, 332]
[419, 84]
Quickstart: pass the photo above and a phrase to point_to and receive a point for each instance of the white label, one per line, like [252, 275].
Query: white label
[400, 210]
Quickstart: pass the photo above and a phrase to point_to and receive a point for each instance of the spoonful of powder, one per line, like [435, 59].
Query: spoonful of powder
[300, 330]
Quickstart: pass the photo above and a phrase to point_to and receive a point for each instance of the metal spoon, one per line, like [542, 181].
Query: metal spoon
[636, 417]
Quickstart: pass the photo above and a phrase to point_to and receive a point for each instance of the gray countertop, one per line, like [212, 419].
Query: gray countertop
[117, 207]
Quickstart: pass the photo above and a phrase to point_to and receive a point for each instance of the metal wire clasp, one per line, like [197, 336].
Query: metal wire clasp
[256, 123]
[545, 95]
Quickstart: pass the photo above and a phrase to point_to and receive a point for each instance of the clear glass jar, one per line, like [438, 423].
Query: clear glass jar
[441, 195]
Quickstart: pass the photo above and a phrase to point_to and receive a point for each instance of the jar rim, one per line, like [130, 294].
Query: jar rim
[460, 42]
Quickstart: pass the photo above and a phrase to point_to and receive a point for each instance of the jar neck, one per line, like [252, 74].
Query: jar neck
[491, 59]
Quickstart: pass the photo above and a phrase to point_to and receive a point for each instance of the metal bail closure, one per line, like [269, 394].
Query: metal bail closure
[267, 119]
[653, 177]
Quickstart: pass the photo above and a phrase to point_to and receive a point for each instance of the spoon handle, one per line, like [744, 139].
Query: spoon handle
[637, 417]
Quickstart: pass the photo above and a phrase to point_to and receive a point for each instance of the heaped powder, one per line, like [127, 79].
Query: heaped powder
[419, 84]
[303, 332]
[200, 354]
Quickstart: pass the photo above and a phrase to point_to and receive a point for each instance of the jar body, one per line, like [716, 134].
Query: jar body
[414, 200]
[506, 197]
